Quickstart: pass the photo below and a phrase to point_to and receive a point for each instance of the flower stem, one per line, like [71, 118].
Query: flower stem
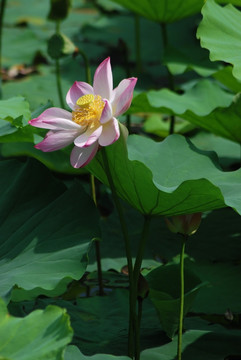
[181, 310]
[128, 123]
[93, 191]
[171, 84]
[136, 274]
[87, 65]
[58, 81]
[2, 9]
[57, 71]
[97, 243]
[138, 327]
[128, 253]
[99, 269]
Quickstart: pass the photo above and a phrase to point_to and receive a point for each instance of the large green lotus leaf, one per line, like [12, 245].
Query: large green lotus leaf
[141, 104]
[41, 87]
[20, 45]
[19, 294]
[58, 161]
[100, 323]
[38, 88]
[228, 151]
[164, 284]
[201, 99]
[224, 122]
[205, 105]
[168, 178]
[190, 57]
[216, 241]
[183, 51]
[225, 76]
[36, 15]
[187, 164]
[46, 229]
[163, 11]
[14, 108]
[14, 115]
[13, 131]
[219, 32]
[212, 343]
[17, 137]
[158, 125]
[21, 12]
[14, 127]
[73, 353]
[222, 291]
[41, 335]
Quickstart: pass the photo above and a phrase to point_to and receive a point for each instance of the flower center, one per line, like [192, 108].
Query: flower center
[88, 110]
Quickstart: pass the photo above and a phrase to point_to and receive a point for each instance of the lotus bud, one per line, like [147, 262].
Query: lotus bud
[184, 224]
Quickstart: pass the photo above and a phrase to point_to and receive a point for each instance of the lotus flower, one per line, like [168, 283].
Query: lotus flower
[184, 224]
[92, 122]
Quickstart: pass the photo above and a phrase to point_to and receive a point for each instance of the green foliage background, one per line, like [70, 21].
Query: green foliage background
[48, 221]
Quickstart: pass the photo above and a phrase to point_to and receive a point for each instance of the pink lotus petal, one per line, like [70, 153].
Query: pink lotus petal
[106, 113]
[64, 131]
[123, 95]
[82, 156]
[55, 140]
[78, 89]
[55, 119]
[110, 133]
[88, 137]
[103, 81]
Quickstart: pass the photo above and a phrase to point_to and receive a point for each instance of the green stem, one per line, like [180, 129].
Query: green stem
[128, 252]
[181, 310]
[138, 329]
[171, 83]
[138, 44]
[2, 9]
[99, 268]
[57, 27]
[97, 243]
[87, 65]
[136, 274]
[58, 81]
[128, 123]
[141, 248]
[57, 72]
[93, 191]
[139, 316]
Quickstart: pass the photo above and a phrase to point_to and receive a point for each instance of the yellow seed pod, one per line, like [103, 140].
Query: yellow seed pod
[85, 100]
